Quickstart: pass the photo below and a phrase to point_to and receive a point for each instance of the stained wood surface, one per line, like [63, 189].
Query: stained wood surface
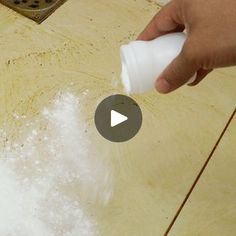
[211, 208]
[76, 50]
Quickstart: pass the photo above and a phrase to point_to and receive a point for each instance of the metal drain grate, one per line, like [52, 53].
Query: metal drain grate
[37, 10]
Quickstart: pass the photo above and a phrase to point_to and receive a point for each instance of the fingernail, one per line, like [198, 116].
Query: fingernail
[162, 86]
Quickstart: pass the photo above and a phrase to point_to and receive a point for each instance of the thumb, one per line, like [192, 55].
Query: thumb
[178, 73]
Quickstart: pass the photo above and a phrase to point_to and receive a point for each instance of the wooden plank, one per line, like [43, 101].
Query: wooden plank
[210, 209]
[77, 50]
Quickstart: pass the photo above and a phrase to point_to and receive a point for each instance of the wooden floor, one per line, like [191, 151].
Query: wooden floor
[76, 51]
[210, 210]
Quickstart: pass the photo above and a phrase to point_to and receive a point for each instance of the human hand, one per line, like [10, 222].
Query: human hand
[211, 39]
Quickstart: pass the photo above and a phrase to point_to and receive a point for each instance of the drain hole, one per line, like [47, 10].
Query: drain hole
[37, 10]
[34, 5]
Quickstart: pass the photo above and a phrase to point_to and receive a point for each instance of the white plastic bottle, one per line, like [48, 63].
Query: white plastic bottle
[144, 61]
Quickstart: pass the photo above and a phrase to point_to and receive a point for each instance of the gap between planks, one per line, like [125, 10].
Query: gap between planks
[200, 174]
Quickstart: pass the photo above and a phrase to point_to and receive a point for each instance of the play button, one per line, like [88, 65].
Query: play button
[118, 118]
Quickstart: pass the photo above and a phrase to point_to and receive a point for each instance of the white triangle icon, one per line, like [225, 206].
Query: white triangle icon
[117, 118]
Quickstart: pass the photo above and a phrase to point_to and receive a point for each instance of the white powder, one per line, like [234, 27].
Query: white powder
[46, 178]
[19, 206]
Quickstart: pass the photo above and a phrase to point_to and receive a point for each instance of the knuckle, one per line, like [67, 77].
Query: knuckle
[175, 75]
[190, 55]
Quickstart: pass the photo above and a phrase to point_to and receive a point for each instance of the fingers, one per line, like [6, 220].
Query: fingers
[167, 20]
[176, 74]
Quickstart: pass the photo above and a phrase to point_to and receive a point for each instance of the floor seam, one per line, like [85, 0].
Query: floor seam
[200, 173]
